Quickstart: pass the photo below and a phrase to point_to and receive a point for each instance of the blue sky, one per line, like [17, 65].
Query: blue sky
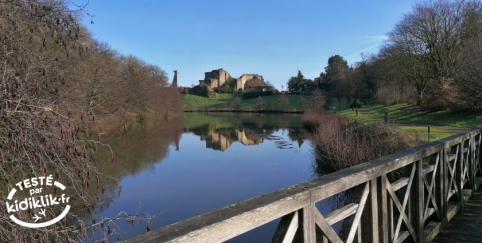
[273, 38]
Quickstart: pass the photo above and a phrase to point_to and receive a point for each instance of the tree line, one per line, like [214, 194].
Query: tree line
[432, 58]
[433, 54]
[56, 80]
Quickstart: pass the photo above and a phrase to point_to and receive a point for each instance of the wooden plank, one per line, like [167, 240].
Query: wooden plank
[440, 179]
[286, 229]
[451, 157]
[403, 216]
[325, 227]
[428, 213]
[356, 220]
[471, 164]
[403, 235]
[340, 214]
[458, 174]
[430, 189]
[383, 205]
[373, 213]
[397, 185]
[419, 201]
[428, 169]
[401, 209]
[309, 231]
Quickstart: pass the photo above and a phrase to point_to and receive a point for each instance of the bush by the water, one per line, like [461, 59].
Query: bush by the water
[202, 91]
[341, 142]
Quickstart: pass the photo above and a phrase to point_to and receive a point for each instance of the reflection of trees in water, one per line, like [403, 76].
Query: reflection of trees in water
[136, 147]
[220, 130]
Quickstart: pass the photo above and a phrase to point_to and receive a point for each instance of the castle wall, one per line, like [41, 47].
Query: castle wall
[242, 80]
[217, 77]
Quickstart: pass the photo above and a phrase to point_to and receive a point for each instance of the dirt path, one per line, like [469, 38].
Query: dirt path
[448, 129]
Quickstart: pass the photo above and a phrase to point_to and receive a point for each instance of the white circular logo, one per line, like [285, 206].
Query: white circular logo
[37, 199]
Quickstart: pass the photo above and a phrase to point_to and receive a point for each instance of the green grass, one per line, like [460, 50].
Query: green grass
[196, 102]
[223, 100]
[294, 101]
[415, 120]
[414, 114]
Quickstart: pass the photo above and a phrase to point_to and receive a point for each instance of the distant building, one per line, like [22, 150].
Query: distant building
[218, 77]
[242, 80]
[215, 78]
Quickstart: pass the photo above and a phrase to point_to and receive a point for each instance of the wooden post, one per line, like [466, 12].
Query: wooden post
[440, 182]
[356, 109]
[418, 189]
[458, 175]
[385, 118]
[373, 209]
[309, 231]
[286, 228]
[471, 164]
[384, 228]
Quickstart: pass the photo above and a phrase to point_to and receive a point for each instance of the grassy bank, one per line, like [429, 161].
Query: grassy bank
[414, 114]
[222, 102]
[412, 118]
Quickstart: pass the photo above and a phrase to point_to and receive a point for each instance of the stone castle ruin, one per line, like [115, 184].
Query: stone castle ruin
[218, 77]
[215, 78]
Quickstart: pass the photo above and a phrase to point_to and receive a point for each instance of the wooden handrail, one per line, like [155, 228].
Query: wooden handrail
[429, 190]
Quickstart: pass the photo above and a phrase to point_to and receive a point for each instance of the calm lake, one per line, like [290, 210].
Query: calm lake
[200, 162]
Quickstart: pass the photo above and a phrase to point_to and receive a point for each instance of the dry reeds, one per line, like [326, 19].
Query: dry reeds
[341, 143]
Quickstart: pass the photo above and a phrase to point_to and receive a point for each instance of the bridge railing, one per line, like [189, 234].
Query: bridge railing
[406, 196]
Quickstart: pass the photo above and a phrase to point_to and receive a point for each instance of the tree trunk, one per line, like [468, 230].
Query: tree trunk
[420, 98]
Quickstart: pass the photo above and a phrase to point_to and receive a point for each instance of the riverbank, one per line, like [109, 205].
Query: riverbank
[222, 103]
[412, 118]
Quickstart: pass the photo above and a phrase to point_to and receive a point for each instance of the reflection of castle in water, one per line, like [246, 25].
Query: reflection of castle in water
[218, 141]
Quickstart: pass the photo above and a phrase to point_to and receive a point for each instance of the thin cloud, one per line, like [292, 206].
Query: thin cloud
[364, 49]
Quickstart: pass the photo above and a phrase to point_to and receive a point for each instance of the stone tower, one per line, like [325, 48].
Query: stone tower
[174, 80]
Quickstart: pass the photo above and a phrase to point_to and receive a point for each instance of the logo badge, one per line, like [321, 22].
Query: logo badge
[38, 201]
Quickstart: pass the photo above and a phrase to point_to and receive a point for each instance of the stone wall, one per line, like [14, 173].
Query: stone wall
[242, 80]
[216, 78]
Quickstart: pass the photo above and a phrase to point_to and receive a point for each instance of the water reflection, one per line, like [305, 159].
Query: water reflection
[200, 162]
[221, 131]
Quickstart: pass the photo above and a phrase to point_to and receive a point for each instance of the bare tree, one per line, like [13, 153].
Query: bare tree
[428, 40]
[259, 103]
[469, 77]
[318, 99]
[236, 103]
[283, 102]
[48, 95]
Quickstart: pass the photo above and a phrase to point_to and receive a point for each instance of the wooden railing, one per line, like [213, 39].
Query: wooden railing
[406, 196]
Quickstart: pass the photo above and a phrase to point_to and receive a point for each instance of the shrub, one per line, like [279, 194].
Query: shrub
[442, 97]
[202, 91]
[341, 143]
